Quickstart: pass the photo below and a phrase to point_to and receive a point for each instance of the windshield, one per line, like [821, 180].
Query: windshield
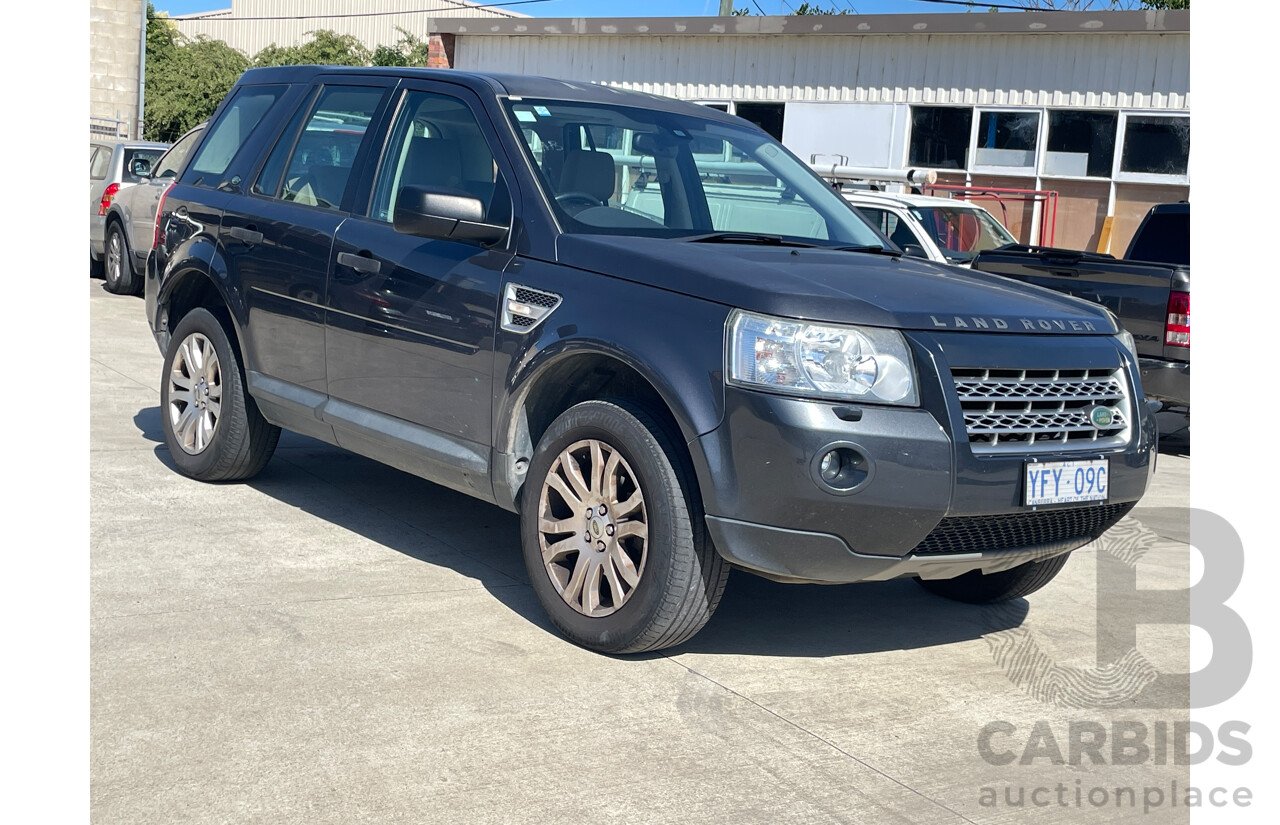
[631, 171]
[962, 232]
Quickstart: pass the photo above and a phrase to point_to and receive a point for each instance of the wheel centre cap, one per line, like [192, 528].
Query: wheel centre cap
[595, 527]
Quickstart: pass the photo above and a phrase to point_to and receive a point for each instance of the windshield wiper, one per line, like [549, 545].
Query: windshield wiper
[750, 237]
[874, 249]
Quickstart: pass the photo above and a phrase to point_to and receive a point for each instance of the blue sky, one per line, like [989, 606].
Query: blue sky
[648, 8]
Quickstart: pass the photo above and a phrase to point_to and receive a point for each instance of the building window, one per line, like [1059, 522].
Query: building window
[1007, 139]
[940, 137]
[767, 116]
[1155, 145]
[1080, 144]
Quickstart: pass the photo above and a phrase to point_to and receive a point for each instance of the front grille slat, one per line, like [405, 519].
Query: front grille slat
[1007, 412]
[977, 534]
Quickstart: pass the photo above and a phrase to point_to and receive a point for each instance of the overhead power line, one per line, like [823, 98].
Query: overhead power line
[223, 18]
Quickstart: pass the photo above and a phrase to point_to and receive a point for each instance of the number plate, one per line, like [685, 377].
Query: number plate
[1065, 482]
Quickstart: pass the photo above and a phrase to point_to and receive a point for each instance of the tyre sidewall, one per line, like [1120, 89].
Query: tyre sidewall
[207, 463]
[123, 284]
[621, 431]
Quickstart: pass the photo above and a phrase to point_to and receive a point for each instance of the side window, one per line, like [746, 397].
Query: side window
[99, 159]
[437, 142]
[231, 130]
[171, 164]
[890, 225]
[326, 150]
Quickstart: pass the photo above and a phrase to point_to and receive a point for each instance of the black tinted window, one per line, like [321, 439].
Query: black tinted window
[231, 130]
[1163, 239]
[326, 150]
[1156, 145]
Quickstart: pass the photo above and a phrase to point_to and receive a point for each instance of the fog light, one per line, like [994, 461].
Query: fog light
[830, 468]
[841, 468]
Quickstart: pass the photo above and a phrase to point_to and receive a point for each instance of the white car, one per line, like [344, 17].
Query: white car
[948, 231]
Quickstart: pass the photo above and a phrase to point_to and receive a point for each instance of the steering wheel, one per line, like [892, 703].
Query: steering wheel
[585, 198]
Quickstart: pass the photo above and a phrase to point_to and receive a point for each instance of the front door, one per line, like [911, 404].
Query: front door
[411, 321]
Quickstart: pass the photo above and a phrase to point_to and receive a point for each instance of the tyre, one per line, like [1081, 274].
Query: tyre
[976, 587]
[212, 426]
[117, 267]
[612, 531]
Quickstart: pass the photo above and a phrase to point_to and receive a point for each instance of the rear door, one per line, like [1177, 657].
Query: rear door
[277, 234]
[411, 321]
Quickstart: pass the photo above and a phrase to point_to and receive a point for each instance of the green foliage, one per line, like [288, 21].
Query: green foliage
[326, 48]
[409, 50]
[185, 79]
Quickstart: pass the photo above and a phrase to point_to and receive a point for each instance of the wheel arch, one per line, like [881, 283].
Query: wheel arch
[575, 371]
[191, 286]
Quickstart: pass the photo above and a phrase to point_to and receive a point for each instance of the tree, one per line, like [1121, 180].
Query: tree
[327, 48]
[409, 50]
[185, 79]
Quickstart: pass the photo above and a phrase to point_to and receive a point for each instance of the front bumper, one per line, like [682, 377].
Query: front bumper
[1167, 381]
[928, 507]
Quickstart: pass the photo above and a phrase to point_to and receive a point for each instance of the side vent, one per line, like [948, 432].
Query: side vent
[524, 307]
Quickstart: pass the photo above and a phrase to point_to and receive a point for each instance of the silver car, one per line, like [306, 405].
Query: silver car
[111, 171]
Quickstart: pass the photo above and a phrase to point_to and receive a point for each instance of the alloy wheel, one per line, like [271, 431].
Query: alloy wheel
[592, 528]
[195, 393]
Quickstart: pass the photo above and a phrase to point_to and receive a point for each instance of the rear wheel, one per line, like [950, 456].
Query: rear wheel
[976, 587]
[117, 267]
[612, 532]
[212, 426]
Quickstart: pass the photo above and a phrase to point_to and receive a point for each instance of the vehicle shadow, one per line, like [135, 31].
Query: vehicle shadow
[1175, 432]
[755, 617]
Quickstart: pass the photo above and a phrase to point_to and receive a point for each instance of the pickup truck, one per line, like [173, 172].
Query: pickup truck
[437, 270]
[1149, 290]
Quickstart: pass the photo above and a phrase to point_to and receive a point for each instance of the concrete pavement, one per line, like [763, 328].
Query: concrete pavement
[336, 641]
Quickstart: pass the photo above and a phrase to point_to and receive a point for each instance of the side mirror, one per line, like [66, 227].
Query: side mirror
[444, 214]
[915, 251]
[141, 168]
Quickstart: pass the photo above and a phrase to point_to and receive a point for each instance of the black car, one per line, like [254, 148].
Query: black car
[642, 324]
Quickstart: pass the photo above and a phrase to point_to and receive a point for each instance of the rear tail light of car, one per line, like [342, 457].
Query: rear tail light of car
[108, 195]
[158, 237]
[1177, 328]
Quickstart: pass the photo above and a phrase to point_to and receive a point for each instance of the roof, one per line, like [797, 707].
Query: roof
[498, 84]
[1022, 22]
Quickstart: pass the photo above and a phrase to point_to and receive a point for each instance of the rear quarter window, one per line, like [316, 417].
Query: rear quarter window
[233, 127]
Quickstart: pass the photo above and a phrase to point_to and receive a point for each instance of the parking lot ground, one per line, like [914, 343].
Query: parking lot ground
[336, 642]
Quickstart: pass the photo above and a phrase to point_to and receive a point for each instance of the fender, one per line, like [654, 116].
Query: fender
[198, 258]
[682, 360]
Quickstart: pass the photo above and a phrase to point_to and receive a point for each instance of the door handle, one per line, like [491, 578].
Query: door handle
[360, 263]
[248, 235]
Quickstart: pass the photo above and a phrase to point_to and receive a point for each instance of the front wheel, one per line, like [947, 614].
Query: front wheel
[976, 587]
[212, 426]
[612, 532]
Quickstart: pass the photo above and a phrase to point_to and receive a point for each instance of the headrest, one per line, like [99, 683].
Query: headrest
[588, 171]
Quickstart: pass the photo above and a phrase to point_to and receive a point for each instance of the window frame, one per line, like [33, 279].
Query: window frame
[1122, 135]
[1115, 151]
[1031, 171]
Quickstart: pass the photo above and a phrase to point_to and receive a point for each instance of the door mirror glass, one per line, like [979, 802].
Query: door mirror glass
[444, 214]
[914, 250]
[141, 167]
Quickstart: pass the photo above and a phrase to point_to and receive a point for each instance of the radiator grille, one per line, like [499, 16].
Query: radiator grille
[1041, 411]
[975, 534]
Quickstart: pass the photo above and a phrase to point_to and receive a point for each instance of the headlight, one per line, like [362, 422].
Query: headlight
[1126, 339]
[822, 361]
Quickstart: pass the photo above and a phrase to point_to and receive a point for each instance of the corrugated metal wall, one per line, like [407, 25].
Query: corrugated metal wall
[1139, 71]
[252, 36]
